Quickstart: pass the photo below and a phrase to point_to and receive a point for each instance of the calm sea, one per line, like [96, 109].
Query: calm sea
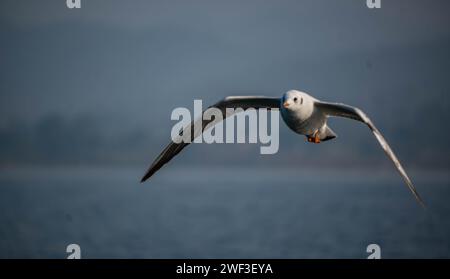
[222, 213]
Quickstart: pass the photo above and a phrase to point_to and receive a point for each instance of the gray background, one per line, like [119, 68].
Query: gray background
[85, 102]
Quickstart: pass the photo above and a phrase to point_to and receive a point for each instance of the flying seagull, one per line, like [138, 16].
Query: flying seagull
[301, 112]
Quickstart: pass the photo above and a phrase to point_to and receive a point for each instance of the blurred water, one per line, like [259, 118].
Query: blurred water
[221, 213]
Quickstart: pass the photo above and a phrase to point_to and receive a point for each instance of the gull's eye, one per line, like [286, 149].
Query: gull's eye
[295, 99]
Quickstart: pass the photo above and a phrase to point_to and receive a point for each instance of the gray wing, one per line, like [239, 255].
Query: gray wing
[243, 102]
[334, 109]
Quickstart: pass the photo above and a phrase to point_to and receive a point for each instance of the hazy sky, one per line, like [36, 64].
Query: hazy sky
[105, 78]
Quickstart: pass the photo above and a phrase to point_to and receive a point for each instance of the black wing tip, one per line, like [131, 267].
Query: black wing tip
[418, 197]
[147, 175]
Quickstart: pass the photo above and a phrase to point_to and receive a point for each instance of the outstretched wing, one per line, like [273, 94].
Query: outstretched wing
[334, 109]
[243, 102]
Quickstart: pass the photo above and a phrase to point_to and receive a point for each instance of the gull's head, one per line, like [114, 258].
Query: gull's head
[296, 104]
[296, 100]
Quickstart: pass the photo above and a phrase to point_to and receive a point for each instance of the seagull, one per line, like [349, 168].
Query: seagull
[301, 112]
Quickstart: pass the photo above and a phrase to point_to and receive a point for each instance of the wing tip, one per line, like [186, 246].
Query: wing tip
[147, 175]
[417, 196]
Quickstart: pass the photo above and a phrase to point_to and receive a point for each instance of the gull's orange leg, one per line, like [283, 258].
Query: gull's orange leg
[315, 138]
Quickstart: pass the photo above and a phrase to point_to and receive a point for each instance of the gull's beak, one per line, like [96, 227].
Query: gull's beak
[285, 104]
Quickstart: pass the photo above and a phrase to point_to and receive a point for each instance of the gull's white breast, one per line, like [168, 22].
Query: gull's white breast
[304, 124]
